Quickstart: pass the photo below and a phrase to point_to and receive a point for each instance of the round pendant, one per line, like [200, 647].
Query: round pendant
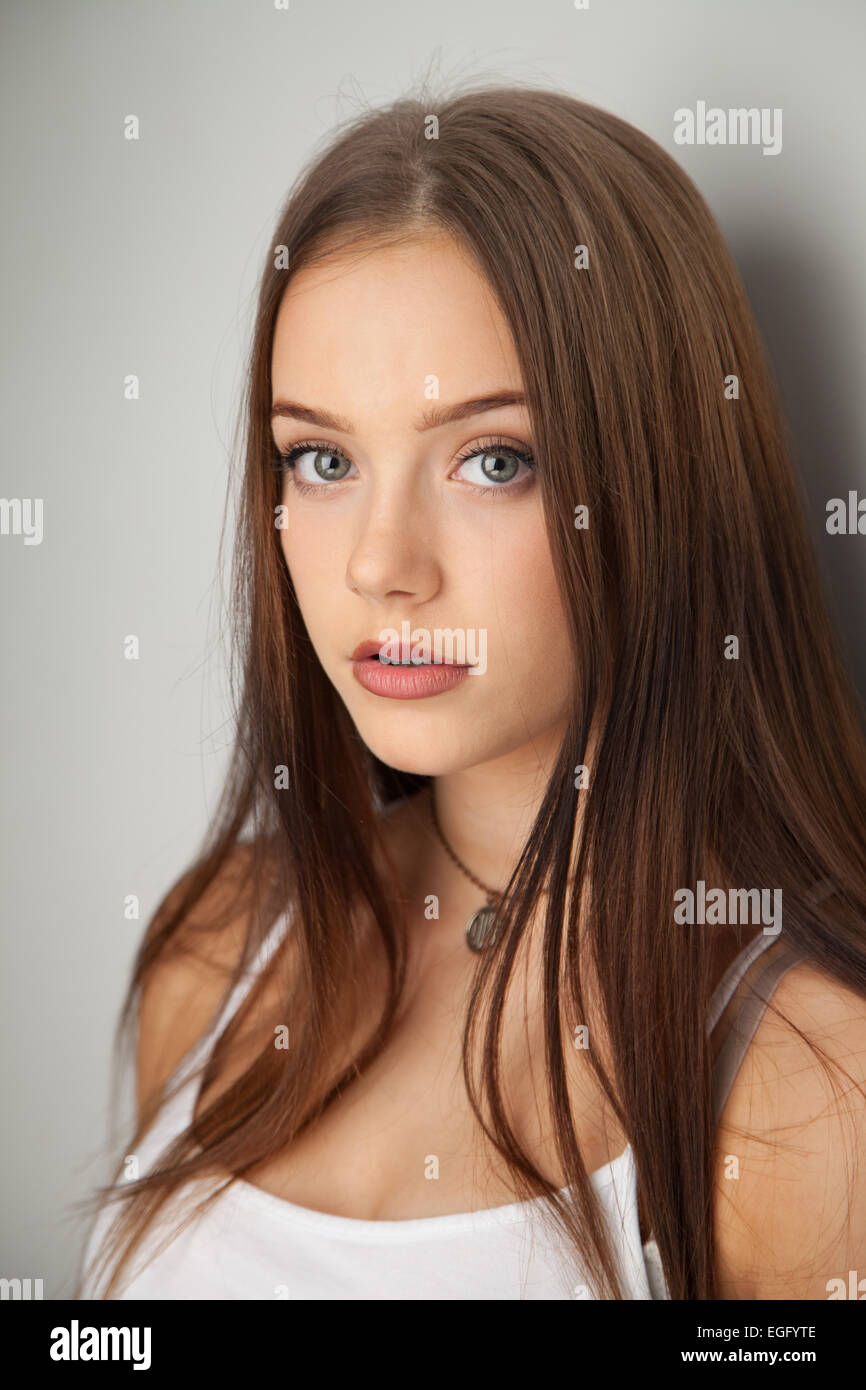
[478, 930]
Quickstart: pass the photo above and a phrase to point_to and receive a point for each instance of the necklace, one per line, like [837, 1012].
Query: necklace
[479, 932]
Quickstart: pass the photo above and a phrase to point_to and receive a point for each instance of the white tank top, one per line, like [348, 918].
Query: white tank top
[251, 1244]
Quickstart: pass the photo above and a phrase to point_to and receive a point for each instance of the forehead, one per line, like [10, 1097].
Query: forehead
[395, 315]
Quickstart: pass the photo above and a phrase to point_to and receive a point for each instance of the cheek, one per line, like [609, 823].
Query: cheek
[524, 572]
[527, 619]
[313, 569]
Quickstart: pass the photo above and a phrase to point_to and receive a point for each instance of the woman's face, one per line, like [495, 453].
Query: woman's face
[439, 529]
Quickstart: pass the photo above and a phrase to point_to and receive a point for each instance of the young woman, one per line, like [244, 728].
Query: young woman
[527, 957]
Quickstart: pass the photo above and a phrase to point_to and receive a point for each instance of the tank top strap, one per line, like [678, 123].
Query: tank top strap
[238, 994]
[738, 1005]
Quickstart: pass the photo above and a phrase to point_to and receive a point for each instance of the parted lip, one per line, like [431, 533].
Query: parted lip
[370, 648]
[365, 649]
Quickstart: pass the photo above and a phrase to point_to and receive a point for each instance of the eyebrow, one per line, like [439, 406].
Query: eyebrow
[432, 419]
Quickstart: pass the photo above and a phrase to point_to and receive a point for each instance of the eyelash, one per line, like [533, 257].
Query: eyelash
[285, 462]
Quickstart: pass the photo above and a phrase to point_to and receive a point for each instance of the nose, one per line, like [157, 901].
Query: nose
[394, 551]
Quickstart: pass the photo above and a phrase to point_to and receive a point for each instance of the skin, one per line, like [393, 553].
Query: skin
[407, 536]
[404, 538]
[414, 534]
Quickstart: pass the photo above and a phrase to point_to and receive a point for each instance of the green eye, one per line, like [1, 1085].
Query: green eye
[330, 466]
[499, 465]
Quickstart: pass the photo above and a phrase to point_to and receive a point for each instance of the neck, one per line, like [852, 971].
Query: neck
[486, 812]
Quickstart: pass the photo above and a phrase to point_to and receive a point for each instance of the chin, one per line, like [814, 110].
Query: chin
[417, 757]
[418, 750]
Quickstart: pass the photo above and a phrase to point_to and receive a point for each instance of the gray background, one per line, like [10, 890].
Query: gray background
[142, 257]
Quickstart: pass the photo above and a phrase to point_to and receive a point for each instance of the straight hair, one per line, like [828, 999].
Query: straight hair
[754, 768]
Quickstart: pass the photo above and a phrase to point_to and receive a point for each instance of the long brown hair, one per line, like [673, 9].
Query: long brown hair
[695, 534]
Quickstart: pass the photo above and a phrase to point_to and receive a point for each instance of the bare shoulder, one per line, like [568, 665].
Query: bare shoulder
[790, 1199]
[183, 988]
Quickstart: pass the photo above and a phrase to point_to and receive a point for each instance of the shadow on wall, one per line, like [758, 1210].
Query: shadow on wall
[805, 320]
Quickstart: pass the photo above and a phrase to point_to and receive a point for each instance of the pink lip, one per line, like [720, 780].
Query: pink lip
[404, 682]
[365, 649]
